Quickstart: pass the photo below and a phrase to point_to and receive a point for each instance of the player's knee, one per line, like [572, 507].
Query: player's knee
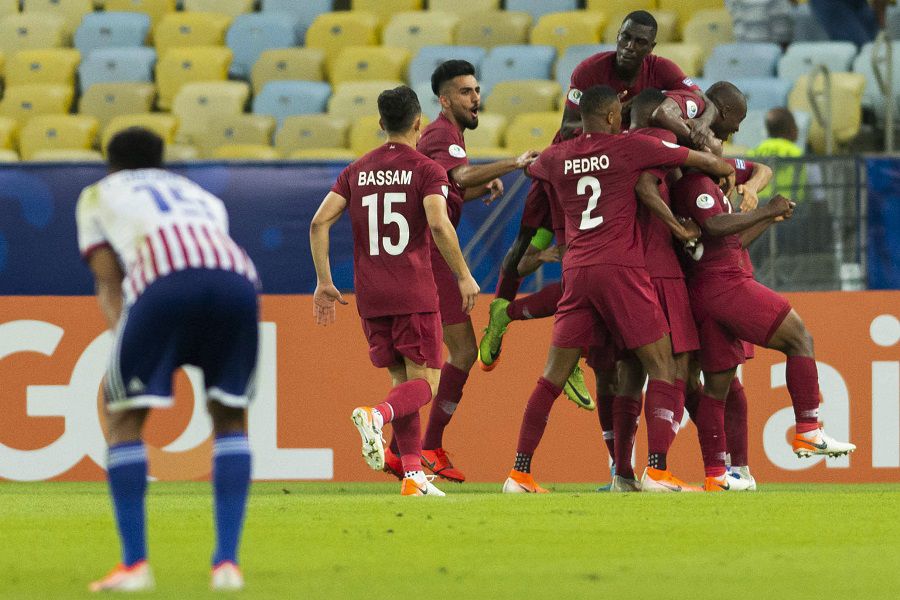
[464, 357]
[226, 419]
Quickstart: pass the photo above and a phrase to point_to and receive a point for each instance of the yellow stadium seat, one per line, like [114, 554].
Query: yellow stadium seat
[687, 56]
[564, 29]
[334, 30]
[413, 30]
[162, 124]
[385, 8]
[511, 98]
[366, 135]
[53, 65]
[489, 133]
[196, 103]
[179, 66]
[8, 156]
[846, 106]
[71, 11]
[708, 29]
[252, 152]
[104, 101]
[31, 31]
[2, 62]
[9, 129]
[358, 99]
[180, 153]
[180, 29]
[666, 30]
[66, 155]
[232, 8]
[307, 64]
[306, 132]
[235, 129]
[8, 7]
[621, 6]
[532, 131]
[464, 8]
[493, 28]
[367, 63]
[22, 102]
[155, 9]
[685, 9]
[330, 154]
[57, 132]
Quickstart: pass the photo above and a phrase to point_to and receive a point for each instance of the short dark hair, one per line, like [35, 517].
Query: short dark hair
[597, 99]
[780, 123]
[642, 17]
[135, 148]
[646, 102]
[725, 92]
[398, 108]
[449, 70]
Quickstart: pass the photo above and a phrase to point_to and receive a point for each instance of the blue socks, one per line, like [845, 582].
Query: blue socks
[231, 483]
[127, 475]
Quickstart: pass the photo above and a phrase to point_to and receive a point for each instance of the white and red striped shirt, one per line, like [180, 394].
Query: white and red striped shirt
[157, 223]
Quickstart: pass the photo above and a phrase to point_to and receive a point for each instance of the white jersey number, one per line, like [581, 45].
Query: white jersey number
[390, 217]
[168, 196]
[593, 184]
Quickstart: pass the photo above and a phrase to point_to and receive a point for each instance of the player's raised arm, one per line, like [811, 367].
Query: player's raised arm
[647, 190]
[475, 178]
[326, 294]
[444, 235]
[777, 209]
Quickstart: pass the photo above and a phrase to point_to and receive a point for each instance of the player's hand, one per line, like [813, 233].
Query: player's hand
[323, 303]
[469, 289]
[726, 184]
[495, 190]
[550, 255]
[780, 207]
[700, 133]
[527, 158]
[690, 230]
[713, 145]
[749, 198]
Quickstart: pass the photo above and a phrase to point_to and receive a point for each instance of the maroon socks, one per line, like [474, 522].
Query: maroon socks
[538, 305]
[446, 400]
[626, 412]
[508, 285]
[736, 424]
[534, 421]
[710, 422]
[803, 385]
[401, 409]
[607, 425]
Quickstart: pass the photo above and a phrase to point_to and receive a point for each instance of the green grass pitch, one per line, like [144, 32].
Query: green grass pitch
[331, 540]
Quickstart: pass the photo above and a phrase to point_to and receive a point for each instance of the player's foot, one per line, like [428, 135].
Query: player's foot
[370, 432]
[226, 576]
[657, 480]
[743, 473]
[612, 475]
[392, 464]
[622, 484]
[419, 485]
[818, 442]
[439, 463]
[136, 578]
[491, 341]
[522, 483]
[576, 390]
[726, 483]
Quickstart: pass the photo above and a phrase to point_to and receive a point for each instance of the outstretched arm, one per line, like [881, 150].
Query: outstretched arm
[708, 163]
[326, 294]
[745, 223]
[647, 190]
[108, 283]
[479, 176]
[444, 235]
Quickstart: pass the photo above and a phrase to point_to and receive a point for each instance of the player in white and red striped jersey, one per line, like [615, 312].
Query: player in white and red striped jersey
[177, 290]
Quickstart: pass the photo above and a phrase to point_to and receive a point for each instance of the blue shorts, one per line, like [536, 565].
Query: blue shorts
[202, 317]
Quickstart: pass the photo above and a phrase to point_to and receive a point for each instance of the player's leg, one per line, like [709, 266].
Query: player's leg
[710, 422]
[626, 414]
[736, 432]
[509, 280]
[605, 376]
[682, 374]
[408, 433]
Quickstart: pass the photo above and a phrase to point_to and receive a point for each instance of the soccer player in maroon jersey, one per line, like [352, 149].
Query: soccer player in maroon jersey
[605, 282]
[395, 197]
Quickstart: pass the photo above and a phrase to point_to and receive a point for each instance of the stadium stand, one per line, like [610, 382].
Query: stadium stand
[367, 63]
[539, 8]
[196, 104]
[665, 21]
[245, 152]
[707, 29]
[505, 63]
[312, 132]
[57, 132]
[180, 153]
[366, 134]
[252, 34]
[303, 13]
[221, 130]
[846, 106]
[108, 65]
[431, 106]
[288, 64]
[281, 99]
[532, 130]
[428, 58]
[22, 102]
[9, 156]
[163, 124]
[806, 27]
[52, 65]
[32, 31]
[413, 30]
[8, 130]
[333, 31]
[753, 129]
[8, 7]
[71, 12]
[231, 8]
[487, 138]
[685, 9]
[155, 9]
[111, 30]
[67, 155]
[358, 98]
[742, 59]
[687, 56]
[565, 29]
[464, 8]
[493, 28]
[801, 57]
[570, 59]
[104, 101]
[184, 65]
[620, 6]
[386, 8]
[872, 97]
[181, 29]
[511, 98]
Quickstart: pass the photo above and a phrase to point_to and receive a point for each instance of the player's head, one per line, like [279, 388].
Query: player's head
[636, 39]
[454, 83]
[399, 110]
[643, 105]
[780, 123]
[732, 107]
[135, 148]
[601, 110]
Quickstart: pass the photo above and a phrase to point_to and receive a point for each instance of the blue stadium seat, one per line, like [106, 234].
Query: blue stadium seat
[753, 129]
[742, 59]
[801, 57]
[305, 11]
[764, 93]
[516, 62]
[111, 29]
[806, 26]
[281, 99]
[252, 34]
[538, 8]
[108, 65]
[431, 107]
[426, 61]
[572, 57]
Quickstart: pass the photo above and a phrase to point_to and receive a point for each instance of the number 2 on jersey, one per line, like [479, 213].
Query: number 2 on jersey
[390, 217]
[584, 184]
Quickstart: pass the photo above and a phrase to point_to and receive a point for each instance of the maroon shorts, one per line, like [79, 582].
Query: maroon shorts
[676, 305]
[536, 213]
[611, 298]
[449, 298]
[748, 311]
[418, 337]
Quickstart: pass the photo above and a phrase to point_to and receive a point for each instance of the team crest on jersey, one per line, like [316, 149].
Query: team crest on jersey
[457, 151]
[670, 144]
[692, 109]
[705, 201]
[574, 96]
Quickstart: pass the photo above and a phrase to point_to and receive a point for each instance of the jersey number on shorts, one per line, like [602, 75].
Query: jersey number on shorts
[376, 241]
[593, 184]
[166, 196]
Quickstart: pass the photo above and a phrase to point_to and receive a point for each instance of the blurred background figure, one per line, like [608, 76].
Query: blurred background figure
[762, 21]
[856, 21]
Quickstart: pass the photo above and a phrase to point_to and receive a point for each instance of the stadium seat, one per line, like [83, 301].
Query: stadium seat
[323, 154]
[666, 30]
[572, 57]
[184, 65]
[107, 65]
[22, 102]
[111, 29]
[565, 29]
[54, 65]
[358, 99]
[180, 153]
[511, 98]
[281, 99]
[806, 26]
[155, 9]
[427, 60]
[753, 129]
[431, 106]
[532, 130]
[620, 6]
[302, 13]
[504, 63]
[196, 104]
[413, 30]
[366, 134]
[57, 132]
[232, 8]
[286, 64]
[306, 132]
[463, 8]
[846, 106]
[709, 28]
[801, 57]
[179, 29]
[162, 124]
[333, 31]
[366, 63]
[245, 152]
[685, 9]
[234, 129]
[66, 155]
[252, 34]
[764, 93]
[687, 56]
[492, 28]
[8, 7]
[488, 136]
[71, 11]
[386, 8]
[539, 8]
[872, 97]
[32, 31]
[9, 128]
[104, 101]
[8, 156]
[742, 59]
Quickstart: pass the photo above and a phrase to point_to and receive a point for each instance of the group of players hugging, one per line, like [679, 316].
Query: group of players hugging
[657, 283]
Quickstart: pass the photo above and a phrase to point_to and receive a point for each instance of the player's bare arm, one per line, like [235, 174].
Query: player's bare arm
[709, 164]
[749, 190]
[701, 125]
[104, 264]
[535, 258]
[778, 208]
[647, 190]
[444, 235]
[326, 293]
[480, 179]
[571, 122]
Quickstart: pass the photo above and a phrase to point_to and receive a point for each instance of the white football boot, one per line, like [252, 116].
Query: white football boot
[370, 431]
[818, 442]
[136, 578]
[226, 576]
[743, 473]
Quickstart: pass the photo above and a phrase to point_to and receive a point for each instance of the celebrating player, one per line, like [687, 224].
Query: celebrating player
[176, 290]
[395, 196]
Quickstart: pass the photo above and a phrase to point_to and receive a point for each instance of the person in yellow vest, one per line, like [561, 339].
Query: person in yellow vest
[791, 180]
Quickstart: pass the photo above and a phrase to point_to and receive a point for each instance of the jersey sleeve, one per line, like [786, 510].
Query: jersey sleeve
[690, 104]
[699, 201]
[669, 76]
[743, 169]
[540, 169]
[90, 232]
[577, 84]
[647, 152]
[440, 147]
[434, 181]
[341, 186]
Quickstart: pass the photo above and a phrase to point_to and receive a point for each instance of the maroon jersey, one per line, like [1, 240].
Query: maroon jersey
[690, 104]
[443, 142]
[656, 72]
[593, 178]
[743, 170]
[391, 243]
